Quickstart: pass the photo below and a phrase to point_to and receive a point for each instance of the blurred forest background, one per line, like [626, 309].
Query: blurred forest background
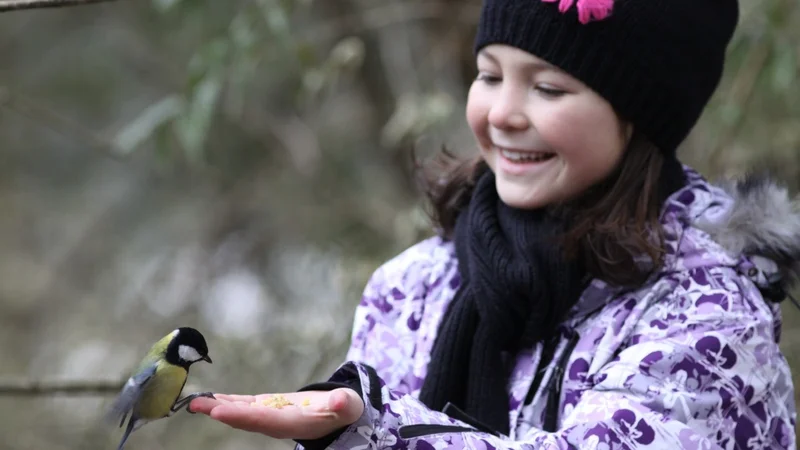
[242, 167]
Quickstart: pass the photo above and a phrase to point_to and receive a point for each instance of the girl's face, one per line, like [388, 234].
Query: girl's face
[547, 136]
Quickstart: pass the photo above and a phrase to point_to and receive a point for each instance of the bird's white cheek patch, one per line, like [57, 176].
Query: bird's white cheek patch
[188, 353]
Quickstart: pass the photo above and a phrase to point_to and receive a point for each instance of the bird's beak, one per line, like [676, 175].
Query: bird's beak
[207, 359]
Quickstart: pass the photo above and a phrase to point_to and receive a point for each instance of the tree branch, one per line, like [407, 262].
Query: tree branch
[392, 14]
[25, 388]
[47, 117]
[15, 5]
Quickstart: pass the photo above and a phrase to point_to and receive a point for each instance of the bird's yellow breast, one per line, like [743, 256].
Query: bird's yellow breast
[161, 391]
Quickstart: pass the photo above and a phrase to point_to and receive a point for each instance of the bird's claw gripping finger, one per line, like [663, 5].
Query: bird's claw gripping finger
[199, 394]
[188, 400]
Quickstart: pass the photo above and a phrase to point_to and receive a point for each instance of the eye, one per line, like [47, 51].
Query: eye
[488, 78]
[549, 91]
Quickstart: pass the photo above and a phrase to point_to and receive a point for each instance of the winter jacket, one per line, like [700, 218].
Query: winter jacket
[690, 360]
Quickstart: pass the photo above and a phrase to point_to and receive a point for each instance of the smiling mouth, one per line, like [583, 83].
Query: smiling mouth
[524, 156]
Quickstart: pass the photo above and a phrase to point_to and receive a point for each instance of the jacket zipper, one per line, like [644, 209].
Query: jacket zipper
[414, 431]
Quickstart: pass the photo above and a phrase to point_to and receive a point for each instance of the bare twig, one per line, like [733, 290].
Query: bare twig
[45, 116]
[16, 5]
[393, 14]
[25, 388]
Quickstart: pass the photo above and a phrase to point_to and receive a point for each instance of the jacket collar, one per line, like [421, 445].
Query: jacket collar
[720, 225]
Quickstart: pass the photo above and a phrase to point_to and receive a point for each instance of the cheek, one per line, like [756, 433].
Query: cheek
[478, 113]
[559, 129]
[585, 135]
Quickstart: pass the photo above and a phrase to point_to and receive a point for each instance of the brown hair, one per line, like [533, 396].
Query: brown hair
[610, 226]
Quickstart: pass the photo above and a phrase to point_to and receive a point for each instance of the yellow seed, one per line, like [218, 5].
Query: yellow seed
[306, 401]
[277, 401]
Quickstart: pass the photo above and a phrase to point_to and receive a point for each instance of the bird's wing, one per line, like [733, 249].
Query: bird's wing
[130, 394]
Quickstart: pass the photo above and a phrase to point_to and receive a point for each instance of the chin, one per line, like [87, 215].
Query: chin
[520, 198]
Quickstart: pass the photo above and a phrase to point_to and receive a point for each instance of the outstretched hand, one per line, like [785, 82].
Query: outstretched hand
[296, 415]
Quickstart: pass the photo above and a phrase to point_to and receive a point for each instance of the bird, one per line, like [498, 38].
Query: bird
[152, 392]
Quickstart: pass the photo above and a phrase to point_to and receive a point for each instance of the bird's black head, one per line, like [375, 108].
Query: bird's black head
[187, 347]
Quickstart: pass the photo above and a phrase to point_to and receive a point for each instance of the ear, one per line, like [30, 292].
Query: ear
[189, 353]
[627, 131]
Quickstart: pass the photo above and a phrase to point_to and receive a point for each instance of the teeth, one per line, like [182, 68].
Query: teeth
[525, 156]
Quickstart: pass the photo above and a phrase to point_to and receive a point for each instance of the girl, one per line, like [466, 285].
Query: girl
[585, 289]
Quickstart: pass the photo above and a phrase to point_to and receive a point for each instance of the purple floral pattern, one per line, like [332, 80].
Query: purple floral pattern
[689, 361]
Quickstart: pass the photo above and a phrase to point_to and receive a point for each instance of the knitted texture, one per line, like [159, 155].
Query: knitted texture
[515, 289]
[657, 62]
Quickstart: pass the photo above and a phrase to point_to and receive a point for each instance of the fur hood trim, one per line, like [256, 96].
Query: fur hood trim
[763, 222]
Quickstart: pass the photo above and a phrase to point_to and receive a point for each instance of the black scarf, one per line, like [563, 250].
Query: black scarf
[515, 289]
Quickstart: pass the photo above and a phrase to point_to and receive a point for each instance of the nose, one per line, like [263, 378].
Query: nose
[508, 110]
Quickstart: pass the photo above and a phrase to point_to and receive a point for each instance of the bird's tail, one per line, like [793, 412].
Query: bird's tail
[117, 412]
[128, 431]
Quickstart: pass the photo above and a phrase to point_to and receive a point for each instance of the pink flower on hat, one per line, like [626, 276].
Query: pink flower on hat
[588, 10]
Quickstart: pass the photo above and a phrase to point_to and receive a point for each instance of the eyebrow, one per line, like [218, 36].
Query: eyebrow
[534, 65]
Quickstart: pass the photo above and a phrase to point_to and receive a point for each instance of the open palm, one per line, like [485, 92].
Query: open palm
[295, 415]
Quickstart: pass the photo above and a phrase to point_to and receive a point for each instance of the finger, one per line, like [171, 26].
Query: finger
[239, 420]
[346, 404]
[240, 416]
[204, 405]
[281, 423]
[308, 415]
[337, 401]
[236, 398]
[342, 406]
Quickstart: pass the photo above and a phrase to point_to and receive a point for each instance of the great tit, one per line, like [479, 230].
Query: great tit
[152, 391]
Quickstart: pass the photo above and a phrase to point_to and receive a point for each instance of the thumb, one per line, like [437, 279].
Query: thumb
[346, 404]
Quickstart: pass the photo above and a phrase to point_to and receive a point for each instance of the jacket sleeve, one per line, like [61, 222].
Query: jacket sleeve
[400, 421]
[711, 378]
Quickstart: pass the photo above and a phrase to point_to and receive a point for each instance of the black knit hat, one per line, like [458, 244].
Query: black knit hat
[657, 62]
